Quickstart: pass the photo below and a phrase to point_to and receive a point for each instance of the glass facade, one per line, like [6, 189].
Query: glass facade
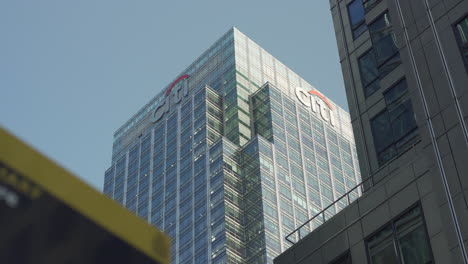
[234, 157]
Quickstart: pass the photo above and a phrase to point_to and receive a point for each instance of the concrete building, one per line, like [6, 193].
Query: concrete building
[232, 155]
[405, 68]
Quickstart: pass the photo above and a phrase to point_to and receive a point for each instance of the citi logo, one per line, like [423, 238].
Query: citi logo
[317, 102]
[174, 94]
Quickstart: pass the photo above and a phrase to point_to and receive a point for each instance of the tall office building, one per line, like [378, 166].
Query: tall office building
[405, 70]
[232, 155]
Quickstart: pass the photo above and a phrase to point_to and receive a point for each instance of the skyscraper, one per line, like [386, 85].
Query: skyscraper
[232, 155]
[405, 70]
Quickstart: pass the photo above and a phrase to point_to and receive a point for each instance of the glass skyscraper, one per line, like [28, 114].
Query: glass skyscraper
[232, 155]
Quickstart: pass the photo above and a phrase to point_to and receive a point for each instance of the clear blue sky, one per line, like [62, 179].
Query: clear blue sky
[72, 72]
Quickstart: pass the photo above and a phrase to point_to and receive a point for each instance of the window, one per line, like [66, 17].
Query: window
[369, 4]
[356, 16]
[369, 73]
[383, 138]
[461, 30]
[403, 241]
[343, 259]
[395, 92]
[384, 43]
[395, 127]
[382, 58]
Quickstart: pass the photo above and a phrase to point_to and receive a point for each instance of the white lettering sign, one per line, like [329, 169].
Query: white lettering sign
[317, 102]
[174, 94]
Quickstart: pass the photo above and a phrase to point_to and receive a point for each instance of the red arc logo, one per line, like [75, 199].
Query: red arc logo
[175, 82]
[321, 97]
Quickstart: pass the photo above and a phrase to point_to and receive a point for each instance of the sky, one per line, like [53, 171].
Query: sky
[73, 72]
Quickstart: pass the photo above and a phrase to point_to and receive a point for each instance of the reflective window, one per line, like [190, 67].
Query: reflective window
[369, 73]
[271, 226]
[322, 164]
[281, 161]
[172, 122]
[286, 207]
[199, 97]
[382, 58]
[313, 182]
[307, 142]
[289, 105]
[298, 186]
[395, 92]
[343, 259]
[317, 124]
[301, 216]
[331, 135]
[283, 175]
[334, 149]
[295, 156]
[384, 44]
[270, 210]
[402, 120]
[381, 130]
[395, 127]
[159, 133]
[356, 16]
[402, 241]
[335, 161]
[290, 117]
[285, 191]
[327, 192]
[369, 4]
[319, 138]
[269, 195]
[461, 30]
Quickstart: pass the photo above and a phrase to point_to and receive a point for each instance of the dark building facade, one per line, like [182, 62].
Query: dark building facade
[405, 65]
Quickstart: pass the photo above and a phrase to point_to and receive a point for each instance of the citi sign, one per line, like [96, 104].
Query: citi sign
[317, 102]
[174, 94]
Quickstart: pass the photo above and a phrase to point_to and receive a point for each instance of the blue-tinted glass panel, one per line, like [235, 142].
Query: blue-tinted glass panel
[395, 92]
[369, 72]
[384, 44]
[462, 30]
[402, 241]
[382, 131]
[394, 130]
[357, 18]
[462, 34]
[402, 119]
[369, 4]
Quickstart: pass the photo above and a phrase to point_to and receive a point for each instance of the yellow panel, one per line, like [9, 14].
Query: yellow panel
[79, 196]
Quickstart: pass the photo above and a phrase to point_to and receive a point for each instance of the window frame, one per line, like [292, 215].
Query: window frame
[371, 5]
[394, 235]
[397, 53]
[459, 41]
[362, 23]
[397, 99]
[390, 145]
[377, 79]
[343, 258]
[368, 88]
[392, 106]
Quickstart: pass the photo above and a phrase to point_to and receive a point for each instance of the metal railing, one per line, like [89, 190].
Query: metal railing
[322, 213]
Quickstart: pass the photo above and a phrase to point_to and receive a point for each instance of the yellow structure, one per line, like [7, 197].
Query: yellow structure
[50, 216]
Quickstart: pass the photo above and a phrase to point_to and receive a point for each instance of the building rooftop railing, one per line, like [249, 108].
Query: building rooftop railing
[363, 186]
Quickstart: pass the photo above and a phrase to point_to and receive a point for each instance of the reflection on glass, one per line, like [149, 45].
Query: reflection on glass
[414, 248]
[385, 256]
